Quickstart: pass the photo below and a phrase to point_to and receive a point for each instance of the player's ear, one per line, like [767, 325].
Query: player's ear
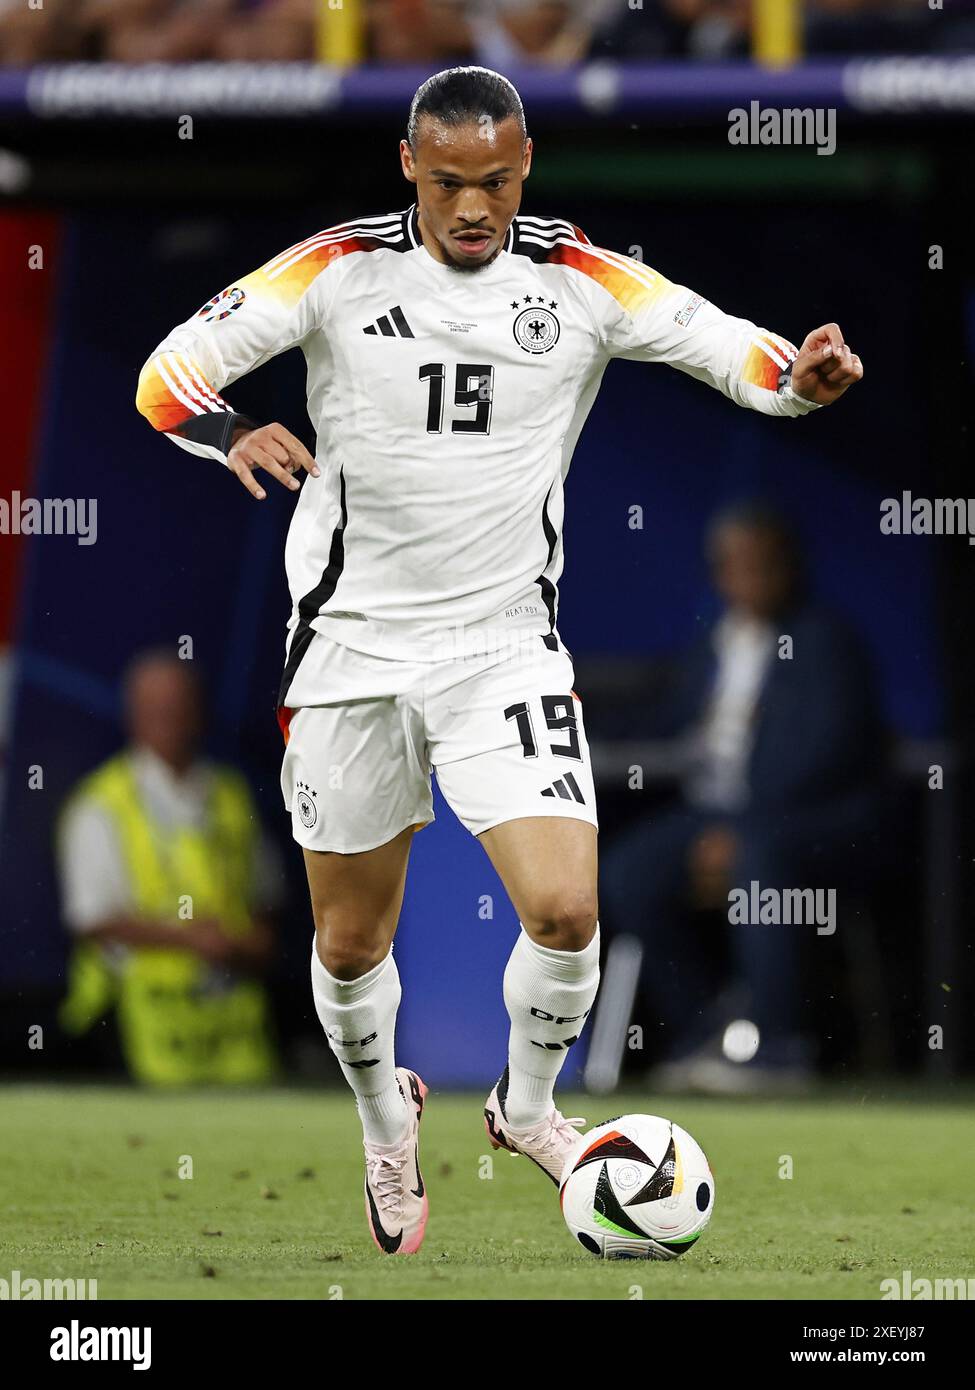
[526, 160]
[406, 160]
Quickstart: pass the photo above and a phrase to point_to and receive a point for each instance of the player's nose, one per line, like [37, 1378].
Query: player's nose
[471, 211]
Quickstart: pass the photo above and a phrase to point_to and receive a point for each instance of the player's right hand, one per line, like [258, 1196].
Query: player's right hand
[274, 449]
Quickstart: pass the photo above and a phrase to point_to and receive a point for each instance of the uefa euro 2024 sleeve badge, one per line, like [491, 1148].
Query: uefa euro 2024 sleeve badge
[536, 328]
[222, 305]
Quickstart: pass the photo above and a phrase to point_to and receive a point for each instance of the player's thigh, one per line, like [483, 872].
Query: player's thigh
[356, 781]
[511, 755]
[356, 901]
[548, 867]
[355, 774]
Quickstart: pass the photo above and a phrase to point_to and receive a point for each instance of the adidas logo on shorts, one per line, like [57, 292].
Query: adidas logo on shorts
[566, 787]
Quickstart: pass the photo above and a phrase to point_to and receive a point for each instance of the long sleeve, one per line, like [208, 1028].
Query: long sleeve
[251, 321]
[645, 317]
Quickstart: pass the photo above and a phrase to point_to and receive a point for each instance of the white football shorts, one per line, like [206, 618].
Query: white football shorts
[503, 732]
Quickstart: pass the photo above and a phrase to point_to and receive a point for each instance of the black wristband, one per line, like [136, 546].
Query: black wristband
[216, 429]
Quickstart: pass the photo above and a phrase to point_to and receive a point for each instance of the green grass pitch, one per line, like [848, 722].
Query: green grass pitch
[274, 1206]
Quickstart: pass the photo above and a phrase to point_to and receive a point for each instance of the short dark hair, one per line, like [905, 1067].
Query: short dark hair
[753, 514]
[165, 656]
[458, 96]
[759, 516]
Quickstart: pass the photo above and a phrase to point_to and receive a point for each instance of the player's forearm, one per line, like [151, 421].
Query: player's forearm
[761, 375]
[176, 398]
[783, 400]
[750, 365]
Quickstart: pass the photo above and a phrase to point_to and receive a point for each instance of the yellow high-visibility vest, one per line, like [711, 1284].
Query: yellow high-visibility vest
[181, 1023]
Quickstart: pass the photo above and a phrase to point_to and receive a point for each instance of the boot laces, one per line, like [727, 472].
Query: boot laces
[556, 1132]
[386, 1181]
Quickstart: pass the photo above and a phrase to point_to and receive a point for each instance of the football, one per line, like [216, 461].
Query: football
[637, 1188]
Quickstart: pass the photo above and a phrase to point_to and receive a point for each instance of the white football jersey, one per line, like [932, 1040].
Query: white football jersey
[446, 405]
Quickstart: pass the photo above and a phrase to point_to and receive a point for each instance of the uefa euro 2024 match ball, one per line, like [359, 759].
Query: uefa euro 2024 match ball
[637, 1188]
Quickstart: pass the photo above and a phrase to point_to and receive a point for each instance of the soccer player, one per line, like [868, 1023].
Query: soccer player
[454, 351]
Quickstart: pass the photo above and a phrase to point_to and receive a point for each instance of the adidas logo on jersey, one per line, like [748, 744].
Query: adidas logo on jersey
[391, 325]
[566, 787]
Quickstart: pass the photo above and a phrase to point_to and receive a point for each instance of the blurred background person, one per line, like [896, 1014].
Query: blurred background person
[156, 31]
[182, 31]
[496, 33]
[506, 33]
[47, 35]
[493, 33]
[169, 885]
[705, 30]
[267, 31]
[712, 30]
[417, 31]
[883, 26]
[781, 748]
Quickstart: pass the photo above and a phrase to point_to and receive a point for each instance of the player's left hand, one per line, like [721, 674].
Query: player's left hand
[825, 367]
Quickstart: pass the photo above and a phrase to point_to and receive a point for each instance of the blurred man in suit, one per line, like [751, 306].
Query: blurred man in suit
[781, 741]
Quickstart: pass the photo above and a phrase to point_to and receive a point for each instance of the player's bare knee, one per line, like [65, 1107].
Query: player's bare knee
[348, 957]
[564, 921]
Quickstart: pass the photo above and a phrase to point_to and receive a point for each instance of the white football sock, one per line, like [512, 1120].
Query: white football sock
[548, 995]
[359, 1018]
